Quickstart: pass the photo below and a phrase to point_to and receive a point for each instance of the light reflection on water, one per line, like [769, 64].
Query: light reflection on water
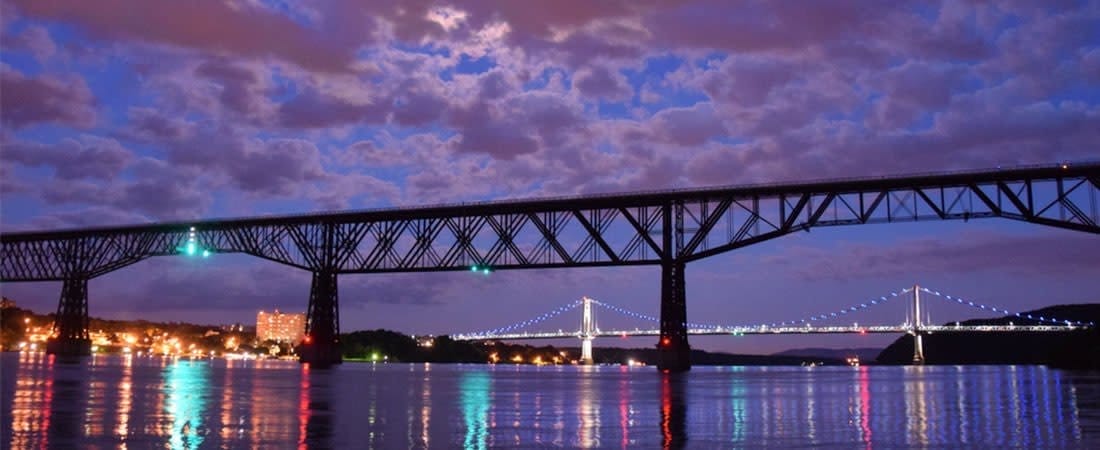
[136, 402]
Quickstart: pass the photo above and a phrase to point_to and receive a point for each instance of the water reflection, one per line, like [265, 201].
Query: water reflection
[115, 402]
[673, 410]
[425, 408]
[124, 401]
[588, 410]
[31, 401]
[864, 409]
[66, 399]
[625, 410]
[186, 383]
[474, 390]
[315, 408]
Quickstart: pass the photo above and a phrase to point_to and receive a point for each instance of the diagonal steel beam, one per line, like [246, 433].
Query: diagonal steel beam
[595, 235]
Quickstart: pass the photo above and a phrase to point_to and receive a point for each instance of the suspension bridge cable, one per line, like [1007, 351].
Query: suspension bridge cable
[995, 309]
[851, 309]
[518, 325]
[629, 313]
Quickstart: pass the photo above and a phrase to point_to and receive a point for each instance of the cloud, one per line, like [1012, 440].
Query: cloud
[600, 82]
[314, 109]
[241, 88]
[210, 26]
[45, 99]
[689, 126]
[34, 39]
[151, 125]
[85, 157]
[272, 167]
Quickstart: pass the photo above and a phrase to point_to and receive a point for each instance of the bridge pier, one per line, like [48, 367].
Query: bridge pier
[674, 352]
[71, 321]
[918, 344]
[588, 332]
[321, 345]
[918, 349]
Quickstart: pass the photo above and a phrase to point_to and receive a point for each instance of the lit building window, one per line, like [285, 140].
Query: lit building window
[280, 327]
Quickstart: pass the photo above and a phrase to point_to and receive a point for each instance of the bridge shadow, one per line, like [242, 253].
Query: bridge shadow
[66, 391]
[315, 408]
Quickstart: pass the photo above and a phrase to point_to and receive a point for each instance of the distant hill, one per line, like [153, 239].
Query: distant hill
[866, 355]
[1074, 349]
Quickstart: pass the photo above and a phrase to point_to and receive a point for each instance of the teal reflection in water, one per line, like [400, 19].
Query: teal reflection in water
[738, 408]
[475, 388]
[186, 383]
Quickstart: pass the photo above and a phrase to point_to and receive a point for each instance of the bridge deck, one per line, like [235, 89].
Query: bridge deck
[734, 331]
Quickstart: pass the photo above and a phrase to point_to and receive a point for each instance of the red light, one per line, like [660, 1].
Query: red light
[665, 342]
[308, 339]
[862, 331]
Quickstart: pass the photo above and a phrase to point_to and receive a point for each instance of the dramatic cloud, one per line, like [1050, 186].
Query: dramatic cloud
[82, 157]
[218, 27]
[45, 99]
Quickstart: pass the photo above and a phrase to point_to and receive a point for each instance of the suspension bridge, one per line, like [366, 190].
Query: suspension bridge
[916, 323]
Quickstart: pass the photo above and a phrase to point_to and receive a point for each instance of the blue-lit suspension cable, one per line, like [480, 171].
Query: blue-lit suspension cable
[629, 313]
[518, 325]
[995, 309]
[850, 309]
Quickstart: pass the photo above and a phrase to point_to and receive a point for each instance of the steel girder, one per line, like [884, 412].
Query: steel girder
[610, 230]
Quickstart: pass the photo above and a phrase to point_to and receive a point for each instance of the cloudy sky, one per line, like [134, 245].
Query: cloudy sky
[131, 111]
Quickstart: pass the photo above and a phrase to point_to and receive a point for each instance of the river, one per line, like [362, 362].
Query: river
[151, 402]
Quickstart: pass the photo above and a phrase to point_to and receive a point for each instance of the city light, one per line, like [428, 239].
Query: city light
[483, 269]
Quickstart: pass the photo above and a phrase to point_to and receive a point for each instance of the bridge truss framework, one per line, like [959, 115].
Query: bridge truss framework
[667, 228]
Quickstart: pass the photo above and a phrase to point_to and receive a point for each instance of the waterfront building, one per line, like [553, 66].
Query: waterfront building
[280, 327]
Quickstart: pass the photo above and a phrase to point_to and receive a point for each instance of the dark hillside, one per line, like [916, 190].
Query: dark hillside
[1073, 349]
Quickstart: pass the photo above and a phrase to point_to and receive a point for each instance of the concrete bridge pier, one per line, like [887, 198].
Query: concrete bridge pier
[588, 332]
[674, 352]
[321, 344]
[918, 344]
[71, 323]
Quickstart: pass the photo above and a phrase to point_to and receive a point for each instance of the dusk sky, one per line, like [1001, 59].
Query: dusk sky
[138, 111]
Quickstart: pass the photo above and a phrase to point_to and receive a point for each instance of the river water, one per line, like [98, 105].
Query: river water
[152, 402]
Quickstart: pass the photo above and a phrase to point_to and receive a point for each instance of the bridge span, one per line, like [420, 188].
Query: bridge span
[915, 324]
[665, 228]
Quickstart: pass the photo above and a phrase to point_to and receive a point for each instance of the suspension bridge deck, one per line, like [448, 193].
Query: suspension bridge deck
[739, 331]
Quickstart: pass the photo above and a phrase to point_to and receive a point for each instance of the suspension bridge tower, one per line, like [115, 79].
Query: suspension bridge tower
[588, 332]
[918, 346]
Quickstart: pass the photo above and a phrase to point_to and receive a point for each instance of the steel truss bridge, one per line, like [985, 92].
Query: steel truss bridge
[916, 323]
[667, 228]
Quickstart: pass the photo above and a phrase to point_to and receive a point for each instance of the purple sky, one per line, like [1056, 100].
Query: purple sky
[130, 111]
